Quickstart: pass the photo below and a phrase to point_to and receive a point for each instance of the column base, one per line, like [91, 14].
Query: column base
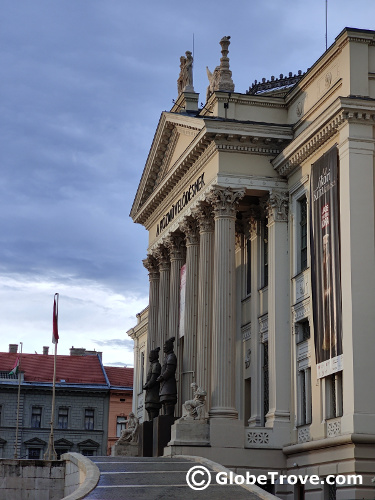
[221, 412]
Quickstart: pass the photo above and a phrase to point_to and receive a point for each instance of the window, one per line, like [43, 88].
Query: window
[334, 395]
[331, 491]
[89, 419]
[34, 453]
[248, 267]
[62, 421]
[36, 417]
[303, 234]
[1, 412]
[88, 453]
[266, 398]
[302, 330]
[265, 252]
[304, 397]
[61, 451]
[121, 425]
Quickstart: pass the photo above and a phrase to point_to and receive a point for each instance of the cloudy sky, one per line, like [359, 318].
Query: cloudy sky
[82, 88]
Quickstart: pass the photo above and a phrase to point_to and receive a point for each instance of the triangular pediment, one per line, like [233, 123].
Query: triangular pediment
[88, 443]
[35, 442]
[63, 443]
[174, 135]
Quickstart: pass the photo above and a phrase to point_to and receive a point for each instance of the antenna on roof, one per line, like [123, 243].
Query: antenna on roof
[326, 24]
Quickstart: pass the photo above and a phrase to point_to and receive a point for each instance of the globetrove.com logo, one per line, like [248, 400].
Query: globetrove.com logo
[200, 477]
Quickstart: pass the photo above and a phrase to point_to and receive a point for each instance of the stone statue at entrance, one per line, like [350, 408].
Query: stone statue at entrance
[129, 435]
[167, 379]
[194, 409]
[152, 386]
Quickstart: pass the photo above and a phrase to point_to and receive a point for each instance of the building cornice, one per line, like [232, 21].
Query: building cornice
[353, 110]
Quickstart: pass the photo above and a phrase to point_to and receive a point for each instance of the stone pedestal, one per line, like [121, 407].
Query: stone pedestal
[125, 450]
[190, 433]
[145, 442]
[161, 433]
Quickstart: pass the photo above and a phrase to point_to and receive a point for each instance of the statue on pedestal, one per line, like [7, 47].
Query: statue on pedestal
[185, 79]
[194, 409]
[152, 385]
[167, 379]
[129, 435]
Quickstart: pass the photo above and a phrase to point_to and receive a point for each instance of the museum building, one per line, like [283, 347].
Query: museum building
[260, 213]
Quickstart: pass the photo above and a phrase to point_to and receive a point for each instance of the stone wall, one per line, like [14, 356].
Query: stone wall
[32, 479]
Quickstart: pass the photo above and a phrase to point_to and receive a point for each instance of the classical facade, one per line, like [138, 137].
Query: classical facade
[260, 212]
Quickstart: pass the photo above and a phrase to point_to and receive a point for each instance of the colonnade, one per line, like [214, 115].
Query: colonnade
[205, 240]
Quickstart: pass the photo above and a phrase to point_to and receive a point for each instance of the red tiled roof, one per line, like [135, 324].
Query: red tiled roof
[120, 377]
[72, 369]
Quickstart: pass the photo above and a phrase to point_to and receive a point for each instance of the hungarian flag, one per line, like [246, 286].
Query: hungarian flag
[15, 368]
[55, 330]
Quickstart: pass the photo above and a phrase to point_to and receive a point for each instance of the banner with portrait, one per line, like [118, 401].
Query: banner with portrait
[325, 263]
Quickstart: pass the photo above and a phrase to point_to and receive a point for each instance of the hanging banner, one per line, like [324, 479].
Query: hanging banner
[325, 264]
[181, 329]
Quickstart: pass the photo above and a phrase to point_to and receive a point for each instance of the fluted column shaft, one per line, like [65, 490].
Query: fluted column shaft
[153, 312]
[205, 218]
[164, 270]
[175, 245]
[190, 228]
[224, 201]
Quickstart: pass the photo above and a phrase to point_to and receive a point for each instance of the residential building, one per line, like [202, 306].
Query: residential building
[263, 202]
[82, 407]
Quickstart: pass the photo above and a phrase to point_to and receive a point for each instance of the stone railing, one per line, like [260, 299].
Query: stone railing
[71, 478]
[81, 476]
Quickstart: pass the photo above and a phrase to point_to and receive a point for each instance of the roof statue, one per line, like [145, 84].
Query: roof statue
[221, 78]
[185, 78]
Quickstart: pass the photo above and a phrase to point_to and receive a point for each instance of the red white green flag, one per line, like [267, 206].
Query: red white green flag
[15, 368]
[55, 329]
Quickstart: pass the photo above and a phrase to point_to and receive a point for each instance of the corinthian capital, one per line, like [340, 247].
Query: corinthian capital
[175, 243]
[151, 265]
[225, 200]
[277, 206]
[189, 226]
[205, 217]
[162, 257]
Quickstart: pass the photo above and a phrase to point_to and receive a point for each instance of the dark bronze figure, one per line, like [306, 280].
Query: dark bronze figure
[152, 385]
[167, 379]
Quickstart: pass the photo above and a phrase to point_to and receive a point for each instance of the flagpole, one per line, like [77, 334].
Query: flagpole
[51, 452]
[18, 405]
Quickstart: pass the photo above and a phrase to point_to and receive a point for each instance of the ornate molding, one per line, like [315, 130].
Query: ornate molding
[162, 256]
[257, 437]
[277, 206]
[150, 263]
[251, 218]
[334, 428]
[175, 242]
[189, 227]
[225, 200]
[204, 214]
[304, 434]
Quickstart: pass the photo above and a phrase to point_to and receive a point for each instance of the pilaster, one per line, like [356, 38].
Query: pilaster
[224, 202]
[278, 310]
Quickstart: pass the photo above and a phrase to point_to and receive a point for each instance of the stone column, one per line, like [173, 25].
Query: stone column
[205, 217]
[224, 201]
[278, 310]
[176, 246]
[190, 228]
[162, 257]
[153, 312]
